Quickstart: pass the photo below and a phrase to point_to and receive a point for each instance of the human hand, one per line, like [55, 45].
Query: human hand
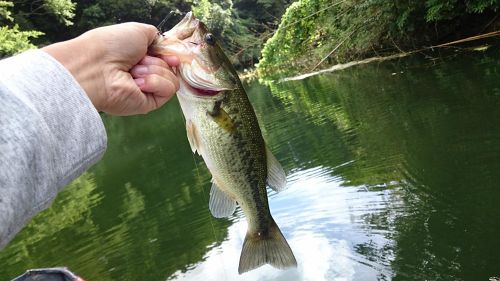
[112, 66]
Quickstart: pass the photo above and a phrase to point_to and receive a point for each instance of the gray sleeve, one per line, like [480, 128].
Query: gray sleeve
[50, 133]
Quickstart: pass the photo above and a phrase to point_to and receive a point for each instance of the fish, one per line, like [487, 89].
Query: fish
[222, 127]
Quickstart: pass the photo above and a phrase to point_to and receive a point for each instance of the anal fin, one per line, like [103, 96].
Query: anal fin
[220, 204]
[276, 178]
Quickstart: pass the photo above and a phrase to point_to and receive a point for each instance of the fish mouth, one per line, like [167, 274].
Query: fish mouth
[200, 80]
[185, 28]
[185, 40]
[202, 92]
[172, 42]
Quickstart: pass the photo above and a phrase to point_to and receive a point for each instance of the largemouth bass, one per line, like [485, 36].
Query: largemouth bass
[222, 127]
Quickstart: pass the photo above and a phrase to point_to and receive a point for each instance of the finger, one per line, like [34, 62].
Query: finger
[157, 85]
[145, 102]
[172, 60]
[149, 60]
[157, 92]
[127, 97]
[150, 31]
[139, 71]
[155, 102]
[146, 70]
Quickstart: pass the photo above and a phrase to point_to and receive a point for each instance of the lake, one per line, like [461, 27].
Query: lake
[393, 173]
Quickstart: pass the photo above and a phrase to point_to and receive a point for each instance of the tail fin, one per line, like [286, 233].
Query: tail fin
[272, 249]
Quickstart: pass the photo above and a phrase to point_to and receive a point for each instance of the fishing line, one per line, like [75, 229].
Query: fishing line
[162, 23]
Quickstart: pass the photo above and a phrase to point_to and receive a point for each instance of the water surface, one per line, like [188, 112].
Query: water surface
[393, 174]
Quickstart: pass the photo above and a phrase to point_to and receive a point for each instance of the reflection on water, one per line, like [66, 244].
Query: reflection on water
[392, 175]
[324, 227]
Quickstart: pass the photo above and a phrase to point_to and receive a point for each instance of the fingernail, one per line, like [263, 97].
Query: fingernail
[139, 81]
[141, 69]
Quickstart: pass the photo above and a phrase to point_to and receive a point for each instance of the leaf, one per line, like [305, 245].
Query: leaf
[13, 40]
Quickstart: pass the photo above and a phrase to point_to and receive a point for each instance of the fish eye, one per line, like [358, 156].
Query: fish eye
[210, 39]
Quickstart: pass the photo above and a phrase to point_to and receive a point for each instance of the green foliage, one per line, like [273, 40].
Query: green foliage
[242, 25]
[5, 13]
[14, 40]
[63, 10]
[106, 12]
[98, 13]
[438, 10]
[20, 18]
[217, 16]
[313, 31]
[310, 29]
[479, 6]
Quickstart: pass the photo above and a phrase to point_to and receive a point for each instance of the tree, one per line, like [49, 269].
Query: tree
[13, 40]
[17, 31]
[312, 31]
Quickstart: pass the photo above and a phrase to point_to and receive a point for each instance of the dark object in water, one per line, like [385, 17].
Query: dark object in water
[48, 274]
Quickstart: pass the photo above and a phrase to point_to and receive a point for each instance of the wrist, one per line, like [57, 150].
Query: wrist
[82, 60]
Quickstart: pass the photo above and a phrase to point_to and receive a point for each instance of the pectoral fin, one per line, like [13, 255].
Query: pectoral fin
[276, 178]
[221, 117]
[223, 120]
[192, 135]
[220, 205]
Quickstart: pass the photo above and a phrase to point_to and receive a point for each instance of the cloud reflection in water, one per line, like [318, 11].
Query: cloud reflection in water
[325, 234]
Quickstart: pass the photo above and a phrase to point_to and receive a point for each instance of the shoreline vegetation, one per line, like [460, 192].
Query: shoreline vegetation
[253, 73]
[265, 38]
[316, 34]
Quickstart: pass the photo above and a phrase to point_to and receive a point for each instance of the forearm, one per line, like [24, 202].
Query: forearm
[49, 134]
[84, 62]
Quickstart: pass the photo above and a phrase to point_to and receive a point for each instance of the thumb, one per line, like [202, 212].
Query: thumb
[149, 30]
